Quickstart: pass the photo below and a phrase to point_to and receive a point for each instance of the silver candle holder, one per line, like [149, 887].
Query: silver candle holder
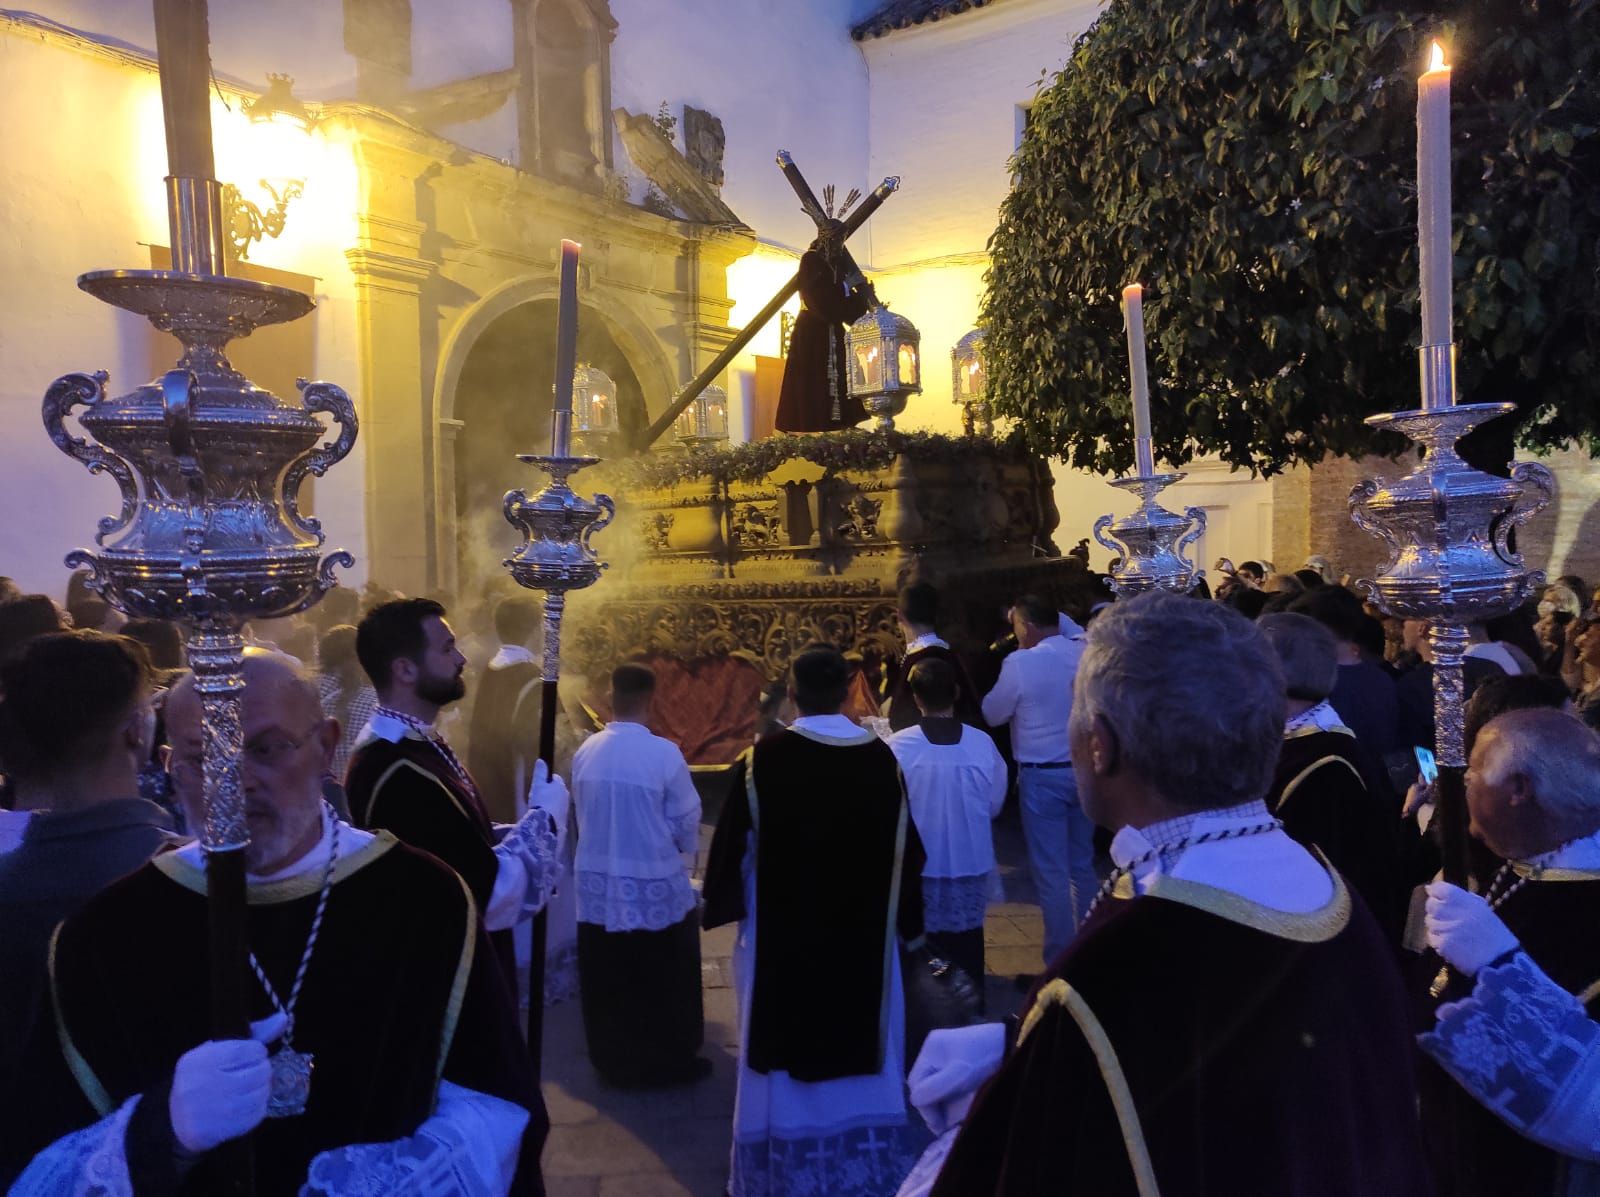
[1151, 544]
[209, 466]
[1448, 531]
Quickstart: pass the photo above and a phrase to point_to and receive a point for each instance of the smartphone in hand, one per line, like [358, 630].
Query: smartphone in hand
[1426, 764]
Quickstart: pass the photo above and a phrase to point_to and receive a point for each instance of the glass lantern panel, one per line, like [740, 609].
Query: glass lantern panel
[683, 426]
[716, 424]
[908, 366]
[602, 412]
[868, 367]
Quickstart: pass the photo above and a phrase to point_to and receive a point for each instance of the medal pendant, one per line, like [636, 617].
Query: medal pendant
[291, 1082]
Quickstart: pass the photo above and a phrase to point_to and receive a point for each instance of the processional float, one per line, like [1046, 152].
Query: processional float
[209, 466]
[1448, 527]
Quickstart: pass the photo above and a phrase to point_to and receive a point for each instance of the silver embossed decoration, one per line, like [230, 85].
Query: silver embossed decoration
[291, 1082]
[1151, 545]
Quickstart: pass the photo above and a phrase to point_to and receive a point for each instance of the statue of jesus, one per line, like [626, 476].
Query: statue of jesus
[816, 394]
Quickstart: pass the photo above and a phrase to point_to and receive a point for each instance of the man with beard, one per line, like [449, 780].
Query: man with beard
[405, 778]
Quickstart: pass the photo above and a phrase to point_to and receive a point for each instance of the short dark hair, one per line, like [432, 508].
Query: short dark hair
[934, 684]
[336, 651]
[1310, 579]
[515, 618]
[1340, 611]
[1254, 568]
[821, 680]
[1496, 695]
[919, 604]
[632, 681]
[1247, 601]
[393, 632]
[63, 695]
[1036, 611]
[25, 618]
[161, 640]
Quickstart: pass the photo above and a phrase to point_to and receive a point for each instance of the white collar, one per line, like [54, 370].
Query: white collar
[835, 728]
[926, 640]
[386, 727]
[512, 654]
[1071, 629]
[350, 839]
[1322, 717]
[1583, 853]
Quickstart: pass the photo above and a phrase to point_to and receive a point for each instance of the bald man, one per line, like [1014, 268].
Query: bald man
[385, 1051]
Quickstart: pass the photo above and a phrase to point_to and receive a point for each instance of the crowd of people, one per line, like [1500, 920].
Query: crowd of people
[1251, 980]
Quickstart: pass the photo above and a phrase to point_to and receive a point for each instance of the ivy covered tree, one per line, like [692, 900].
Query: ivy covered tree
[1253, 165]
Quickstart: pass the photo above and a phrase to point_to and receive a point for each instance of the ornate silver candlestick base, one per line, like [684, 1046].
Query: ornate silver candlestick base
[1151, 543]
[555, 555]
[1448, 530]
[209, 466]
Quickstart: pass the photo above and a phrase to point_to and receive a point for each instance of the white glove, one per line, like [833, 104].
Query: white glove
[1463, 929]
[549, 794]
[220, 1089]
[951, 1066]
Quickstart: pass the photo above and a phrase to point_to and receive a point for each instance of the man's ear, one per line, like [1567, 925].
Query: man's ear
[404, 672]
[1519, 790]
[1105, 752]
[327, 734]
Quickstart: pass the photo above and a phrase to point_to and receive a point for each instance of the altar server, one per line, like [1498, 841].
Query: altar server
[917, 611]
[816, 858]
[1229, 1021]
[956, 783]
[385, 1054]
[638, 926]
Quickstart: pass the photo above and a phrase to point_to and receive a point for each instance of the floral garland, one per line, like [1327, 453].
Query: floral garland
[851, 449]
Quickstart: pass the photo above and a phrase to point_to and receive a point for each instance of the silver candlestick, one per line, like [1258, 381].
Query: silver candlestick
[1451, 562]
[1151, 544]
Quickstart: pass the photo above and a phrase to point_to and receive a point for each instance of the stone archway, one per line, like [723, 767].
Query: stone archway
[499, 404]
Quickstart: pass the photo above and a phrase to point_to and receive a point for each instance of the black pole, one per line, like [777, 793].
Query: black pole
[230, 970]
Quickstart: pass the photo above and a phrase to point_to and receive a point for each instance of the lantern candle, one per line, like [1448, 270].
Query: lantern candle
[1433, 198]
[1133, 316]
[566, 351]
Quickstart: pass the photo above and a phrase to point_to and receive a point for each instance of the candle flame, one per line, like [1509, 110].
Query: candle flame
[972, 367]
[1436, 60]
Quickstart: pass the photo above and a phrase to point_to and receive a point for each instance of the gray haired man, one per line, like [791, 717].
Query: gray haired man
[1228, 1020]
[1533, 793]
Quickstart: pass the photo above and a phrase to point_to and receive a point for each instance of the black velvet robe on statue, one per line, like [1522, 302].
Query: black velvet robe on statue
[815, 375]
[401, 990]
[1473, 1152]
[838, 870]
[1197, 1044]
[406, 787]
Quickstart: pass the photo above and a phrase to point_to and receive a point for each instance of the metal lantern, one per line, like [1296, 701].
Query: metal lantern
[885, 364]
[969, 384]
[705, 421]
[594, 407]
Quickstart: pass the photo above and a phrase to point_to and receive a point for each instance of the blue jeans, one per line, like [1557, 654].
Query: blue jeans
[1060, 841]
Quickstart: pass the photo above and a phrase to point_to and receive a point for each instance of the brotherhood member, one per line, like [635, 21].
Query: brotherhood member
[1328, 791]
[1533, 794]
[405, 778]
[815, 396]
[76, 722]
[638, 927]
[956, 784]
[384, 1055]
[1034, 695]
[917, 612]
[816, 858]
[504, 733]
[1228, 1021]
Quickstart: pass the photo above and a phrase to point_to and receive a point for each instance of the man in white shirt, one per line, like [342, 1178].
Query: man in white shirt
[1034, 695]
[956, 783]
[638, 928]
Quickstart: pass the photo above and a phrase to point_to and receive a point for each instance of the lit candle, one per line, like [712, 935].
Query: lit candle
[566, 351]
[1433, 197]
[1133, 317]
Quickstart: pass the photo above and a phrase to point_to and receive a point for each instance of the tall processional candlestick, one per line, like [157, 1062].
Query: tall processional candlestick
[1150, 546]
[209, 466]
[1448, 527]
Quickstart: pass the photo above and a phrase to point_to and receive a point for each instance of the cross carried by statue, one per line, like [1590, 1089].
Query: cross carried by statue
[815, 396]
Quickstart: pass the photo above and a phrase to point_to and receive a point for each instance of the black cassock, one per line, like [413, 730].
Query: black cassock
[1473, 1152]
[408, 788]
[1173, 1047]
[816, 393]
[401, 992]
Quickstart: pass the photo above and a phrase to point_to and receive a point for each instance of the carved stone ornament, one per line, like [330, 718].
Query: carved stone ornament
[704, 142]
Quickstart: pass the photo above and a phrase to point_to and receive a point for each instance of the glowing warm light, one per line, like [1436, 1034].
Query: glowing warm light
[908, 364]
[1436, 60]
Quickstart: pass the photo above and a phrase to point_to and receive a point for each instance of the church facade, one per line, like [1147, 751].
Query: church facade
[457, 142]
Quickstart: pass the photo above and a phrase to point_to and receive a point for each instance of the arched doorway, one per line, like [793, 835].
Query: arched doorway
[503, 399]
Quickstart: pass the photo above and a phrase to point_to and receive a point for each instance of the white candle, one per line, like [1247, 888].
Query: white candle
[566, 351]
[1133, 317]
[1433, 197]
